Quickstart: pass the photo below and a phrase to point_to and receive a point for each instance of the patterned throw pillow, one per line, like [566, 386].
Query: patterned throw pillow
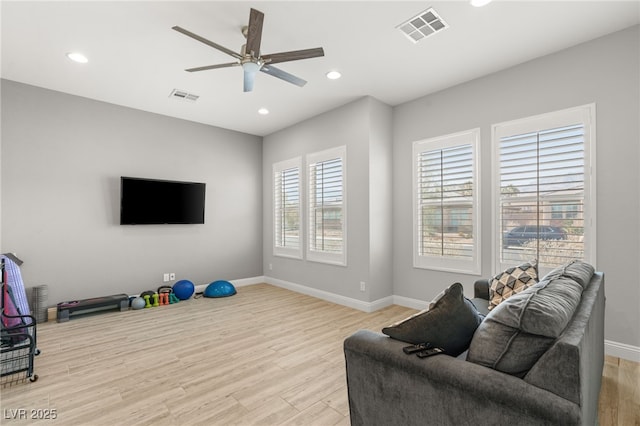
[512, 281]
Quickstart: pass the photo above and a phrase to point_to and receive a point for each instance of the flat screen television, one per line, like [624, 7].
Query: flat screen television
[156, 202]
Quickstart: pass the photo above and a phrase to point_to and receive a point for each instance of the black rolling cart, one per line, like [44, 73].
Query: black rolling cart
[17, 338]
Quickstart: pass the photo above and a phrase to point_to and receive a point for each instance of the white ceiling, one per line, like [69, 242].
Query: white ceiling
[136, 59]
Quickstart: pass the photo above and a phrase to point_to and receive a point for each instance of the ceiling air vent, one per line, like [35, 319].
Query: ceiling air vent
[423, 25]
[183, 96]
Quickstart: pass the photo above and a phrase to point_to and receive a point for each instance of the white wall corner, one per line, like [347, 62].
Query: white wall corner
[381, 303]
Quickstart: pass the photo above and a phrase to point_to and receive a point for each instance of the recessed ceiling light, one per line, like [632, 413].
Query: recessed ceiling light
[263, 111]
[77, 57]
[480, 3]
[333, 75]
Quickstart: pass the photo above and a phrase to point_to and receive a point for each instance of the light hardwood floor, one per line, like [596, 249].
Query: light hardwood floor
[265, 356]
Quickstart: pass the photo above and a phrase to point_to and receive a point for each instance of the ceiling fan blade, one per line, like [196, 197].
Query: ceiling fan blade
[213, 67]
[283, 75]
[254, 33]
[207, 42]
[294, 55]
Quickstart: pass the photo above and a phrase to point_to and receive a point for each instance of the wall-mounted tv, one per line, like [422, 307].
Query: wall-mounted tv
[156, 202]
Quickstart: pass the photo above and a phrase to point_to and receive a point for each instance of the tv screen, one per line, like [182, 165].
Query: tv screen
[154, 202]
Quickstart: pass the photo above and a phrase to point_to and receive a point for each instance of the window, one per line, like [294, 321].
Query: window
[446, 204]
[327, 206]
[545, 190]
[287, 209]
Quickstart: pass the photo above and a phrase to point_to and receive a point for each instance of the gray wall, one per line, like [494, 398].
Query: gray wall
[364, 126]
[604, 71]
[62, 158]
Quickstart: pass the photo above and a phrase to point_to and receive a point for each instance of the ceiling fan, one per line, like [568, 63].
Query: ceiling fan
[250, 58]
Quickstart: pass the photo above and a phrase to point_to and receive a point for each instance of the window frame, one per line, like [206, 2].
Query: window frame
[585, 115]
[278, 249]
[311, 253]
[444, 263]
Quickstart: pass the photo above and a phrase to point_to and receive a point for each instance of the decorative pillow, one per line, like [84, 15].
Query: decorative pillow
[449, 323]
[512, 281]
[519, 330]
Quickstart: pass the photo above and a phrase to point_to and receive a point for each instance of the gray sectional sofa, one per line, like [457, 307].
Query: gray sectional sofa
[558, 384]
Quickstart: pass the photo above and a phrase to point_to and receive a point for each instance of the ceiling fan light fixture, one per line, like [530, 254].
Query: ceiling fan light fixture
[480, 3]
[77, 57]
[333, 75]
[251, 67]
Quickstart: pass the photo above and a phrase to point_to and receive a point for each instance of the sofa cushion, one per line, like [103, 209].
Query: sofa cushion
[511, 281]
[520, 329]
[449, 323]
[577, 270]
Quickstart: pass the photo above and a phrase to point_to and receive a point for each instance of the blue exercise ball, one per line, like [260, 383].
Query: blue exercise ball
[138, 303]
[183, 289]
[220, 288]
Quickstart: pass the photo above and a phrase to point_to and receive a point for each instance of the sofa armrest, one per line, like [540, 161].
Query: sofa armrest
[385, 386]
[481, 289]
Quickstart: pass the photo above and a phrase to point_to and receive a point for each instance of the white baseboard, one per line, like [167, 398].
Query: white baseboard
[381, 303]
[407, 302]
[331, 297]
[248, 281]
[611, 348]
[622, 350]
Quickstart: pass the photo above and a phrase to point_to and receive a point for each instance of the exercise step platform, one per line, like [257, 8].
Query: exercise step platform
[86, 306]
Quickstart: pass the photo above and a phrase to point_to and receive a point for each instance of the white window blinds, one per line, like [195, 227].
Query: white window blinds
[327, 206]
[446, 203]
[545, 191]
[287, 209]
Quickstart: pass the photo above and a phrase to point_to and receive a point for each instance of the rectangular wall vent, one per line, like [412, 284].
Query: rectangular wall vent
[423, 25]
[182, 95]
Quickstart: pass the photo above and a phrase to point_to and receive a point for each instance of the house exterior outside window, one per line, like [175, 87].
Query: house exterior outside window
[287, 222]
[446, 203]
[327, 206]
[544, 188]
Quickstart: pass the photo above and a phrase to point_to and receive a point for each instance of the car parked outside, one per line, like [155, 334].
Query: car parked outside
[521, 234]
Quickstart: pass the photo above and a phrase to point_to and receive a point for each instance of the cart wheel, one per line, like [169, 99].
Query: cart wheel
[37, 352]
[33, 378]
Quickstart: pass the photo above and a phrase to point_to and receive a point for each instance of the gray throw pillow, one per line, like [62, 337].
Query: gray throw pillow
[449, 323]
[520, 329]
